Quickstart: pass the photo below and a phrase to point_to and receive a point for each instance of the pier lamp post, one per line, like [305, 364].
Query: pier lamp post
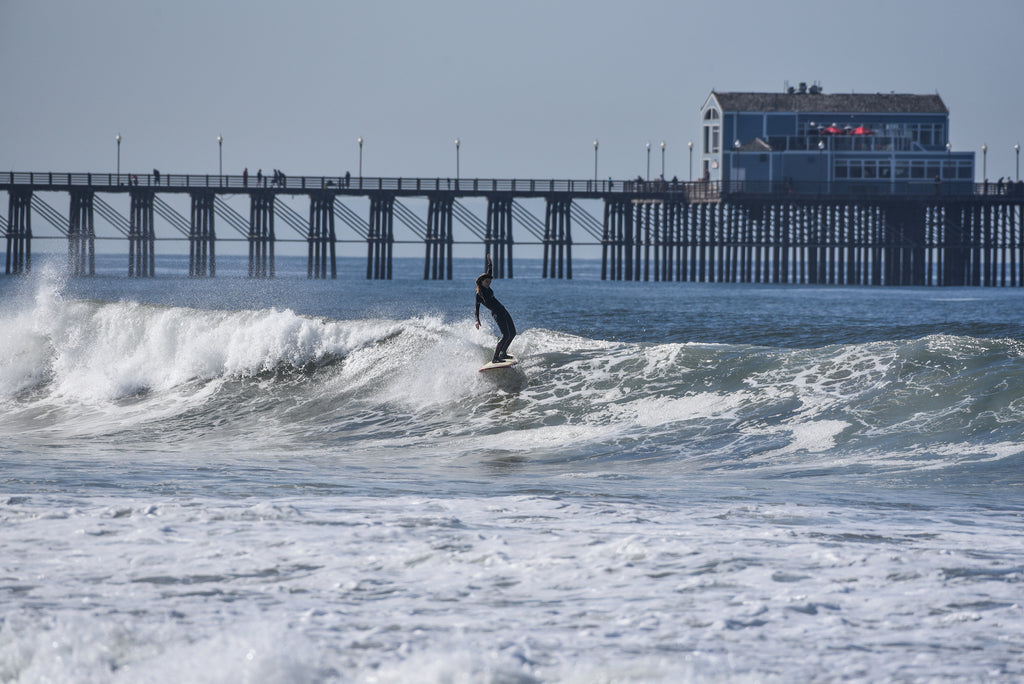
[220, 155]
[648, 161]
[948, 173]
[1016, 148]
[360, 141]
[690, 145]
[595, 160]
[663, 160]
[118, 139]
[457, 143]
[821, 164]
[736, 161]
[984, 163]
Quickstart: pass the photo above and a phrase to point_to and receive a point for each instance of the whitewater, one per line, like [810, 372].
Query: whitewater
[235, 480]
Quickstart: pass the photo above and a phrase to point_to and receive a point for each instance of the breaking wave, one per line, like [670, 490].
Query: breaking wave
[125, 371]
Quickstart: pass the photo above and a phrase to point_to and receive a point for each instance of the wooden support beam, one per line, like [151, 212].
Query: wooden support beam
[141, 234]
[320, 236]
[81, 234]
[617, 239]
[261, 234]
[380, 238]
[558, 237]
[498, 240]
[439, 239]
[19, 232]
[202, 238]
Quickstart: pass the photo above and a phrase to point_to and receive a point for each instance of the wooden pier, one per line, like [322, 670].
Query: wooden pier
[901, 234]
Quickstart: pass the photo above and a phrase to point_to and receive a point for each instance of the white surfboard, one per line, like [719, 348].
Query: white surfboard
[507, 363]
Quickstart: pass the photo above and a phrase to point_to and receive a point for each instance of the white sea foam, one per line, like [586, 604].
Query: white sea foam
[407, 587]
[649, 412]
[813, 436]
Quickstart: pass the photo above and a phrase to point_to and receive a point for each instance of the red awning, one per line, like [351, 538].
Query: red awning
[862, 130]
[833, 130]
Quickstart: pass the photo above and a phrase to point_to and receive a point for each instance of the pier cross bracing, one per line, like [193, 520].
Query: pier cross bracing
[650, 231]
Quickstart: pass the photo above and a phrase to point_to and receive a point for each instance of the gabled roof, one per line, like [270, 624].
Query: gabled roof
[877, 103]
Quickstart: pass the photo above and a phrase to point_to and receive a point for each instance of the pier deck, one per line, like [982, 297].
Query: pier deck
[895, 234]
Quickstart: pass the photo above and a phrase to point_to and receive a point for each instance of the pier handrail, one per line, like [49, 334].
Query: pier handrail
[173, 182]
[693, 191]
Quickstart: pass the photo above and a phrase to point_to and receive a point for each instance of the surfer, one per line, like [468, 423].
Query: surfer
[485, 296]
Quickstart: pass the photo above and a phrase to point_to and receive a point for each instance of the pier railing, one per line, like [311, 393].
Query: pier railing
[526, 187]
[172, 182]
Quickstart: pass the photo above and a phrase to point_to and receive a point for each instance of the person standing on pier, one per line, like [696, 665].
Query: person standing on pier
[485, 296]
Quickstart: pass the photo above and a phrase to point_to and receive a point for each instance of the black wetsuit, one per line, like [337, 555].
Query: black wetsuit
[485, 296]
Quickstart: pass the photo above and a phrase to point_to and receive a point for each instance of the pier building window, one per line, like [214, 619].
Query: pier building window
[712, 132]
[861, 168]
[927, 134]
[712, 140]
[928, 170]
[869, 169]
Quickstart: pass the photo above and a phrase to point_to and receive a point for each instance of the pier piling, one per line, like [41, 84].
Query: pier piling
[141, 236]
[437, 264]
[81, 234]
[261, 234]
[558, 238]
[202, 239]
[19, 232]
[498, 239]
[321, 239]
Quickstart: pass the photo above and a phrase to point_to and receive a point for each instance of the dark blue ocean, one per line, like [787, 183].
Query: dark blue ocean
[287, 480]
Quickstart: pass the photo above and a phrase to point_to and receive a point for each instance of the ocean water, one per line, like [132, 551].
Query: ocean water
[233, 480]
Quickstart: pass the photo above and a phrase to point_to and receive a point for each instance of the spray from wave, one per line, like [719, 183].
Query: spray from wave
[98, 351]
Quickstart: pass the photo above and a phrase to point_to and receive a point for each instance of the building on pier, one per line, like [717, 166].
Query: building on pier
[805, 140]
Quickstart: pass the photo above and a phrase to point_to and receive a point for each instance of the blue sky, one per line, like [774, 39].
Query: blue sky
[526, 86]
